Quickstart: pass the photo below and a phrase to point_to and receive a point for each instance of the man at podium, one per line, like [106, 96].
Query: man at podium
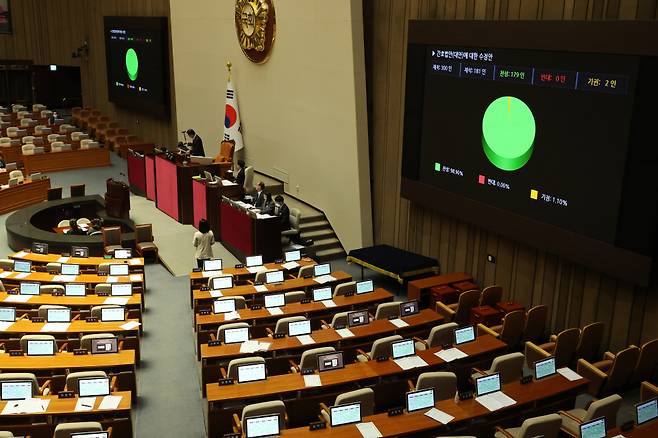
[195, 144]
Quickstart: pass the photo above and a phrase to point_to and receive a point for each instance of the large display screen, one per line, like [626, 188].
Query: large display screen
[533, 141]
[137, 52]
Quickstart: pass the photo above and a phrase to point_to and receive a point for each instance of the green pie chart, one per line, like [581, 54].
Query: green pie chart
[132, 64]
[508, 133]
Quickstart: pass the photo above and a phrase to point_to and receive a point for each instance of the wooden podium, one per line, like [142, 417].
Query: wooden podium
[117, 199]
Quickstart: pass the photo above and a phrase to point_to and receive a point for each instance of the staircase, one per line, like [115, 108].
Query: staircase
[314, 225]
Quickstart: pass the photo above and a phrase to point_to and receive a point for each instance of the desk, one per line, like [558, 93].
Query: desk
[86, 302]
[248, 291]
[135, 265]
[22, 195]
[393, 262]
[15, 278]
[137, 173]
[416, 289]
[4, 175]
[245, 235]
[646, 430]
[207, 198]
[141, 146]
[173, 187]
[66, 160]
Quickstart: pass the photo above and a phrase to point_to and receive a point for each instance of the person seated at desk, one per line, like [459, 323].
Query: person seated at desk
[282, 211]
[96, 227]
[195, 144]
[239, 179]
[268, 205]
[75, 229]
[259, 200]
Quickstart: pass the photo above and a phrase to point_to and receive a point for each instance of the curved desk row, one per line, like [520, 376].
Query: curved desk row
[22, 195]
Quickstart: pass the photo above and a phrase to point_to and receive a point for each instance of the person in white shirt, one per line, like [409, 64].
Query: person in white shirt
[203, 241]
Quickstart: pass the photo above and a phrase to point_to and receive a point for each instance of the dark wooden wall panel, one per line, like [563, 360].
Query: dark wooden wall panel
[47, 32]
[576, 294]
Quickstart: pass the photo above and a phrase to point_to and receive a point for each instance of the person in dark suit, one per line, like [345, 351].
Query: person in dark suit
[260, 195]
[196, 144]
[75, 228]
[282, 211]
[239, 179]
[268, 205]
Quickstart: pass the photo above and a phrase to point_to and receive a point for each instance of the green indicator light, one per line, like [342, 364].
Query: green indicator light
[437, 167]
[508, 133]
[132, 64]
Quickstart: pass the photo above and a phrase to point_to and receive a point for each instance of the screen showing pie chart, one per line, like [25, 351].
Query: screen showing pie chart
[508, 133]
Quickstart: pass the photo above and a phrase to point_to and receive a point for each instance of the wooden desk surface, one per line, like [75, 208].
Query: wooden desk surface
[66, 160]
[63, 360]
[66, 406]
[244, 272]
[342, 303]
[284, 383]
[44, 259]
[380, 327]
[248, 290]
[417, 422]
[22, 195]
[646, 430]
[25, 326]
[44, 277]
[135, 300]
[415, 287]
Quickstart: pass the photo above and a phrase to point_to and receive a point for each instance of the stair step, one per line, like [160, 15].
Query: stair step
[314, 225]
[329, 254]
[326, 243]
[318, 234]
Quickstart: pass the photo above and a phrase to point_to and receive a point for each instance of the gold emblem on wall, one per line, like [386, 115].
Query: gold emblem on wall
[255, 24]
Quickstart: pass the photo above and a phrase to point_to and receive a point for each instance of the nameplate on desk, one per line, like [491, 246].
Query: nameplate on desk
[215, 343]
[465, 395]
[38, 319]
[80, 352]
[91, 319]
[258, 283]
[65, 394]
[205, 288]
[196, 270]
[307, 276]
[239, 266]
[224, 382]
[256, 307]
[12, 292]
[57, 293]
[317, 425]
[279, 261]
[307, 371]
[279, 335]
[339, 326]
[204, 312]
[382, 358]
[103, 294]
[394, 412]
[102, 274]
[349, 294]
[15, 352]
[526, 379]
[305, 300]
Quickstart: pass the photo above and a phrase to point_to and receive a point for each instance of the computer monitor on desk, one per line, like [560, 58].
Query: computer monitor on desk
[330, 361]
[322, 269]
[262, 426]
[22, 266]
[70, 269]
[544, 368]
[403, 348]
[122, 289]
[274, 300]
[118, 270]
[58, 315]
[80, 252]
[464, 334]
[252, 261]
[363, 287]
[103, 434]
[274, 277]
[409, 308]
[357, 318]
[299, 328]
[322, 293]
[236, 335]
[593, 429]
[29, 288]
[646, 411]
[212, 265]
[487, 384]
[223, 306]
[293, 256]
[94, 386]
[15, 389]
[223, 282]
[113, 314]
[251, 372]
[40, 347]
[345, 414]
[75, 290]
[417, 400]
[7, 314]
[123, 253]
[104, 345]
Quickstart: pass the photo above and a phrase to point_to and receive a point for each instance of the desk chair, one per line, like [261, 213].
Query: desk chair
[547, 426]
[57, 146]
[282, 324]
[260, 277]
[36, 389]
[381, 347]
[309, 359]
[343, 288]
[240, 301]
[364, 395]
[226, 150]
[144, 241]
[535, 323]
[85, 340]
[648, 391]
[295, 296]
[491, 295]
[510, 367]
[220, 330]
[73, 380]
[510, 331]
[66, 430]
[562, 346]
[610, 374]
[386, 310]
[83, 221]
[111, 239]
[28, 149]
[232, 371]
[77, 190]
[605, 407]
[257, 409]
[439, 335]
[249, 180]
[103, 268]
[97, 310]
[103, 288]
[16, 174]
[28, 139]
[25, 338]
[43, 309]
[78, 136]
[647, 363]
[7, 434]
[444, 384]
[304, 270]
[63, 223]
[6, 264]
[590, 341]
[459, 312]
[12, 132]
[42, 130]
[54, 267]
[294, 231]
[55, 194]
[2, 287]
[339, 319]
[48, 289]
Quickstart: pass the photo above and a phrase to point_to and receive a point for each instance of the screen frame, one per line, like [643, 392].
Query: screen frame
[534, 367]
[291, 252]
[84, 287]
[235, 328]
[97, 340]
[114, 254]
[113, 308]
[500, 384]
[331, 416]
[403, 341]
[246, 261]
[211, 282]
[367, 320]
[322, 289]
[29, 263]
[605, 426]
[15, 381]
[315, 267]
[27, 347]
[637, 405]
[278, 425]
[333, 353]
[454, 334]
[406, 398]
[268, 273]
[221, 263]
[57, 309]
[20, 287]
[69, 264]
[12, 309]
[132, 291]
[305, 321]
[99, 433]
[237, 372]
[84, 249]
[43, 245]
[228, 300]
[356, 287]
[109, 386]
[266, 296]
[114, 265]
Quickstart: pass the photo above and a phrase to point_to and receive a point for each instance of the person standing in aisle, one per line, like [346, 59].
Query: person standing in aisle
[203, 241]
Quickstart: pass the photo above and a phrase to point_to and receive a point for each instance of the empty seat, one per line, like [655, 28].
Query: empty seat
[610, 374]
[73, 379]
[144, 241]
[443, 382]
[111, 239]
[63, 223]
[26, 338]
[606, 407]
[647, 363]
[459, 312]
[535, 323]
[381, 347]
[77, 190]
[66, 430]
[16, 174]
[563, 348]
[309, 359]
[295, 296]
[28, 149]
[232, 370]
[240, 301]
[387, 310]
[12, 132]
[338, 320]
[344, 288]
[103, 288]
[54, 194]
[96, 311]
[546, 426]
[51, 289]
[510, 367]
[510, 331]
[590, 341]
[364, 396]
[305, 270]
[439, 335]
[491, 295]
[28, 139]
[6, 264]
[43, 309]
[259, 409]
[282, 323]
[648, 391]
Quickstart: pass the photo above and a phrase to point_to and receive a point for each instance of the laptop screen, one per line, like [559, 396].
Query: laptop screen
[40, 347]
[275, 300]
[363, 287]
[345, 414]
[80, 251]
[487, 384]
[223, 282]
[646, 411]
[544, 368]
[293, 256]
[122, 289]
[15, 389]
[212, 265]
[30, 288]
[417, 400]
[223, 306]
[403, 348]
[40, 248]
[123, 253]
[330, 361]
[323, 269]
[256, 260]
[321, 294]
[90, 435]
[409, 308]
[74, 290]
[119, 269]
[236, 335]
[251, 372]
[263, 425]
[464, 335]
[70, 269]
[93, 386]
[104, 345]
[299, 328]
[109, 314]
[7, 314]
[22, 266]
[593, 429]
[58, 315]
[355, 319]
[274, 277]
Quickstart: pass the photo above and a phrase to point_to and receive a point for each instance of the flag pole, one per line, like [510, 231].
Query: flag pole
[228, 66]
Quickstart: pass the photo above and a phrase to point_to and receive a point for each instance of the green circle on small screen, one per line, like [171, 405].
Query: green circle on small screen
[508, 133]
[132, 64]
